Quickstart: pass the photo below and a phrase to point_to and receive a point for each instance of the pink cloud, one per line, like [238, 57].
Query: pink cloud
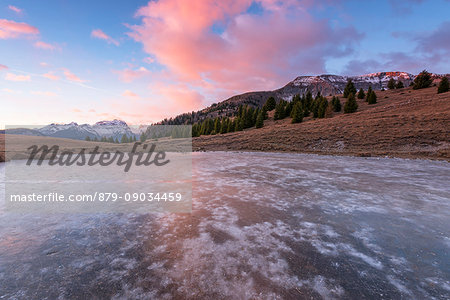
[165, 100]
[10, 29]
[130, 94]
[14, 77]
[253, 51]
[99, 34]
[43, 45]
[72, 77]
[129, 75]
[3, 67]
[15, 9]
[179, 98]
[50, 76]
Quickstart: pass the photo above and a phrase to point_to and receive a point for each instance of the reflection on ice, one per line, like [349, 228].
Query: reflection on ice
[263, 225]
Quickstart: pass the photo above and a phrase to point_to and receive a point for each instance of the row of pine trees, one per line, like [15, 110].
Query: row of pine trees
[246, 117]
[297, 109]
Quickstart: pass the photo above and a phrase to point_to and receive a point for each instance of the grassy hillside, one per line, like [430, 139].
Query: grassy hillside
[404, 123]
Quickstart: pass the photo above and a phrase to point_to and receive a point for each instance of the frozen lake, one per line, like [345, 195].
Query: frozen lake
[263, 226]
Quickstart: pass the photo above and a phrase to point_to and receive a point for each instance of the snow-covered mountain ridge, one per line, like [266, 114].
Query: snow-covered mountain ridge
[114, 129]
[328, 84]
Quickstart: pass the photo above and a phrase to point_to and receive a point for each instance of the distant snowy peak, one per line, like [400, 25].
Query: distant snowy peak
[384, 77]
[114, 129]
[394, 74]
[328, 84]
[368, 78]
[52, 128]
[114, 122]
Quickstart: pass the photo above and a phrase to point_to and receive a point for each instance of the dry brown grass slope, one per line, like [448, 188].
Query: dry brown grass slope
[404, 123]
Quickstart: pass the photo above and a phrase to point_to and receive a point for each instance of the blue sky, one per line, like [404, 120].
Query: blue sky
[156, 59]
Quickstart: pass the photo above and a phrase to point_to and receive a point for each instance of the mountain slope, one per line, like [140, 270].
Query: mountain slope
[404, 123]
[325, 84]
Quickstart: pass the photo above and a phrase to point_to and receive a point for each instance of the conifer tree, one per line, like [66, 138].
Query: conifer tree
[399, 85]
[349, 89]
[305, 106]
[217, 125]
[230, 126]
[297, 113]
[308, 100]
[260, 120]
[295, 99]
[270, 104]
[443, 85]
[88, 139]
[372, 98]
[279, 111]
[196, 130]
[369, 91]
[239, 126]
[423, 80]
[202, 130]
[361, 94]
[350, 105]
[315, 108]
[265, 114]
[248, 117]
[255, 113]
[124, 139]
[224, 126]
[336, 103]
[143, 136]
[209, 126]
[322, 107]
[116, 141]
[391, 84]
[240, 111]
[236, 124]
[288, 109]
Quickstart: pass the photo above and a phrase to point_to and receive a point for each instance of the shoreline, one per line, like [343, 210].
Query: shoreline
[321, 153]
[349, 154]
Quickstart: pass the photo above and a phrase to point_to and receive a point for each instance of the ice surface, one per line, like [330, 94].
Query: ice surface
[263, 226]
